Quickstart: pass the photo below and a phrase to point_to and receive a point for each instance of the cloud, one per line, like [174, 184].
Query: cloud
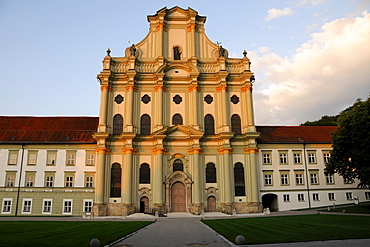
[323, 76]
[275, 13]
[310, 2]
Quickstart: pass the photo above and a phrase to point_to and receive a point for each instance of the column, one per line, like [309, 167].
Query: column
[129, 105]
[126, 189]
[158, 120]
[100, 175]
[254, 188]
[158, 177]
[250, 111]
[224, 108]
[193, 105]
[225, 152]
[197, 176]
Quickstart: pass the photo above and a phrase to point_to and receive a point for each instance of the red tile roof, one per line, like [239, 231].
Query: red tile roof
[295, 134]
[47, 129]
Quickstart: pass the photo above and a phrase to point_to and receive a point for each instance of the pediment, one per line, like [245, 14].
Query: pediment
[179, 131]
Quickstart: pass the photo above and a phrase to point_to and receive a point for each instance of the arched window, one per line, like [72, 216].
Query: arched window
[178, 165]
[236, 125]
[144, 174]
[115, 181]
[211, 173]
[145, 124]
[176, 119]
[117, 124]
[209, 125]
[239, 179]
[176, 53]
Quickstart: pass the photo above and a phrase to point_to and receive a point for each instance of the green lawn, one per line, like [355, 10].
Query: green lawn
[283, 229]
[58, 233]
[362, 209]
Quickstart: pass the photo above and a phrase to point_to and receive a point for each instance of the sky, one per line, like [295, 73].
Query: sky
[310, 57]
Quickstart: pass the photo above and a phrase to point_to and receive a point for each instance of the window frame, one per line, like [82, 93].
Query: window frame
[84, 206]
[71, 158]
[47, 206]
[32, 157]
[28, 207]
[64, 211]
[13, 157]
[8, 211]
[49, 157]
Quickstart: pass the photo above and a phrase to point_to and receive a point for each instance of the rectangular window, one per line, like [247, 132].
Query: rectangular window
[67, 206]
[367, 195]
[326, 158]
[283, 158]
[311, 158]
[301, 197]
[267, 158]
[32, 158]
[329, 179]
[10, 179]
[27, 205]
[7, 206]
[47, 206]
[315, 197]
[331, 197]
[88, 206]
[30, 180]
[314, 179]
[51, 158]
[13, 158]
[71, 158]
[89, 181]
[268, 179]
[297, 158]
[69, 181]
[286, 198]
[49, 179]
[284, 179]
[299, 179]
[349, 196]
[90, 158]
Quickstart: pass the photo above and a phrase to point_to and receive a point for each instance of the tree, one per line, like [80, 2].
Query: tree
[350, 156]
[324, 121]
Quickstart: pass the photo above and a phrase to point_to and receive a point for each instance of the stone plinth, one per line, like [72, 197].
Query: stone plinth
[247, 207]
[197, 208]
[100, 209]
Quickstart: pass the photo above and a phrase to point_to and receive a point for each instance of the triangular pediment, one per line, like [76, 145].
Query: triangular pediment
[179, 131]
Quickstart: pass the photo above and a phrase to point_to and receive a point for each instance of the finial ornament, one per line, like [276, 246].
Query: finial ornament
[245, 53]
[108, 52]
[253, 78]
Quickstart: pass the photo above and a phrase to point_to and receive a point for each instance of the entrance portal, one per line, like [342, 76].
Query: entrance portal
[211, 204]
[144, 205]
[178, 197]
[270, 201]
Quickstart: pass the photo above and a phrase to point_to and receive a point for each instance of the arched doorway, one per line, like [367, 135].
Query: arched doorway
[270, 201]
[211, 204]
[178, 197]
[144, 205]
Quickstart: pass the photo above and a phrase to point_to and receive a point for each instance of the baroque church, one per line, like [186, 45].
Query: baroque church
[175, 133]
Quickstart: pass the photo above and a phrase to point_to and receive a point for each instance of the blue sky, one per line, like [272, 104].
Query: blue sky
[310, 57]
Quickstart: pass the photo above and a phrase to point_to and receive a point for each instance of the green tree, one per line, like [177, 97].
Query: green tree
[350, 156]
[324, 121]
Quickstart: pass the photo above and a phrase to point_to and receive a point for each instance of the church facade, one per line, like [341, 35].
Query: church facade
[175, 133]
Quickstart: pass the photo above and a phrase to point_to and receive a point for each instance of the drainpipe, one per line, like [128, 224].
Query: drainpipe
[305, 167]
[19, 182]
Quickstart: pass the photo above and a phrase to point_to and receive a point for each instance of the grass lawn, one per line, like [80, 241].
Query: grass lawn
[301, 228]
[70, 233]
[362, 209]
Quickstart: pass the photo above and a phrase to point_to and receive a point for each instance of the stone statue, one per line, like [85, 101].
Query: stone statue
[176, 53]
[133, 50]
[222, 51]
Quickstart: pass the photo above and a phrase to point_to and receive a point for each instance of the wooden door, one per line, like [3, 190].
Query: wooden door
[178, 197]
[211, 204]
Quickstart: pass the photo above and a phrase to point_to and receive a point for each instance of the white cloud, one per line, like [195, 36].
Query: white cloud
[275, 13]
[323, 76]
[310, 2]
